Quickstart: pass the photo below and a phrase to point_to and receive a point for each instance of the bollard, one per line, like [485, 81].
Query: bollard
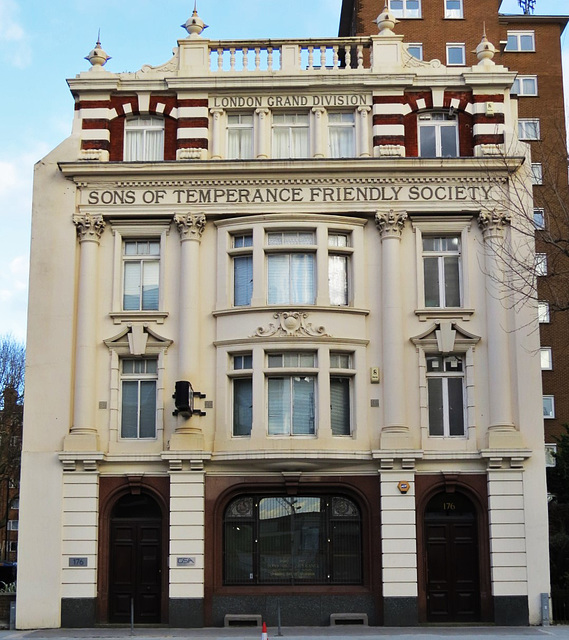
[264, 635]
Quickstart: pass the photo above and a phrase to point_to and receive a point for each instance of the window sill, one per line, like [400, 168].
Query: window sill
[289, 307]
[434, 313]
[130, 316]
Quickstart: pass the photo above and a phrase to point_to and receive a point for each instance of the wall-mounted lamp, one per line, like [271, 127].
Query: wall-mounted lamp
[184, 396]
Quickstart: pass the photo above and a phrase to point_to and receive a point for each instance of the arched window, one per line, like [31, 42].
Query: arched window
[438, 134]
[144, 139]
[292, 540]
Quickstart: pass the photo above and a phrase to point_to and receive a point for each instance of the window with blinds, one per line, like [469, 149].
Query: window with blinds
[141, 264]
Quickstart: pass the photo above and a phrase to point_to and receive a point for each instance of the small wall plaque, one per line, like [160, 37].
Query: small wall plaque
[185, 562]
[78, 562]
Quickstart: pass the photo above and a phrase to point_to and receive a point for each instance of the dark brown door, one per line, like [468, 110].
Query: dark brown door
[453, 586]
[135, 569]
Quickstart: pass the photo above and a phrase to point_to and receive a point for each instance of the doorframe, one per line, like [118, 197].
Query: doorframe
[112, 489]
[474, 487]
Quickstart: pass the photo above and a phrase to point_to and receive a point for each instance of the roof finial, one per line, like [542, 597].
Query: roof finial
[97, 56]
[485, 51]
[386, 21]
[194, 25]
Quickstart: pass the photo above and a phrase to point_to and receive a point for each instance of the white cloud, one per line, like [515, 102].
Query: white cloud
[14, 41]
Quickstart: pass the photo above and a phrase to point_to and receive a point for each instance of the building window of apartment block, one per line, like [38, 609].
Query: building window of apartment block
[12, 525]
[341, 375]
[540, 264]
[242, 269]
[445, 384]
[141, 262]
[438, 135]
[342, 134]
[290, 135]
[546, 358]
[240, 136]
[548, 407]
[454, 9]
[536, 173]
[416, 50]
[521, 41]
[405, 8]
[292, 540]
[528, 129]
[441, 271]
[242, 394]
[144, 139]
[291, 393]
[138, 397]
[539, 218]
[543, 314]
[525, 86]
[456, 54]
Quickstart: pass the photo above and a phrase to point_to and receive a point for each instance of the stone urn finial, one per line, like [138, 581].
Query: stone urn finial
[194, 25]
[97, 56]
[386, 21]
[485, 51]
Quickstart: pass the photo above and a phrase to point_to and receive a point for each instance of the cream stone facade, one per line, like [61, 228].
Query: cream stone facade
[271, 365]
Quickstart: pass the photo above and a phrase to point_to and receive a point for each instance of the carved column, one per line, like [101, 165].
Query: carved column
[318, 136]
[216, 133]
[83, 435]
[188, 434]
[502, 432]
[395, 432]
[363, 113]
[262, 137]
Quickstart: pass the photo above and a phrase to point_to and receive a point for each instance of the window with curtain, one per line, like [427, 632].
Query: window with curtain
[144, 139]
[240, 135]
[242, 394]
[141, 264]
[405, 8]
[453, 9]
[290, 540]
[441, 271]
[290, 135]
[291, 393]
[242, 269]
[291, 273]
[340, 392]
[438, 135]
[138, 401]
[445, 385]
[342, 134]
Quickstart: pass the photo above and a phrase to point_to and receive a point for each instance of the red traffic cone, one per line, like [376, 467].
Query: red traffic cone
[264, 635]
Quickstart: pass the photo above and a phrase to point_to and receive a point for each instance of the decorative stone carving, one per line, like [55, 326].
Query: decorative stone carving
[391, 150]
[492, 222]
[189, 154]
[290, 323]
[89, 227]
[191, 226]
[97, 57]
[99, 155]
[390, 223]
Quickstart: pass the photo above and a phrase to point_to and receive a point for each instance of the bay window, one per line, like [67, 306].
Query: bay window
[242, 394]
[291, 274]
[242, 269]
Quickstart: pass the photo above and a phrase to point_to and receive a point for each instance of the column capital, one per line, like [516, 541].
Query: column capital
[364, 110]
[89, 227]
[216, 111]
[190, 225]
[493, 222]
[319, 111]
[262, 112]
[390, 223]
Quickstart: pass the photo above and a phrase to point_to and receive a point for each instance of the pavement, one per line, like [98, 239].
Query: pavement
[557, 632]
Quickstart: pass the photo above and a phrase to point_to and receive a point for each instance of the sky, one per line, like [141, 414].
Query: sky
[44, 43]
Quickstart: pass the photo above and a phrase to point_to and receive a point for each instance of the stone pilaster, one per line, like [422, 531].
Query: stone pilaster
[363, 143]
[262, 137]
[216, 134]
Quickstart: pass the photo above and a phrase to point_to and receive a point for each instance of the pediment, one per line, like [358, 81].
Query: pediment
[446, 337]
[138, 340]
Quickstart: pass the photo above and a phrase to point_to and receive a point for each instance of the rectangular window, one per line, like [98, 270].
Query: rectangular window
[546, 358]
[456, 54]
[536, 173]
[243, 396]
[441, 271]
[291, 275]
[548, 407]
[290, 135]
[342, 134]
[338, 265]
[291, 396]
[539, 218]
[144, 139]
[521, 41]
[240, 136]
[416, 50]
[138, 390]
[453, 9]
[13, 547]
[141, 263]
[540, 264]
[405, 8]
[242, 269]
[445, 384]
[525, 86]
[543, 312]
[438, 135]
[340, 410]
[528, 129]
[13, 525]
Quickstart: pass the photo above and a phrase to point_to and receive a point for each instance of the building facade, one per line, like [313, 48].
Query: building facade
[280, 373]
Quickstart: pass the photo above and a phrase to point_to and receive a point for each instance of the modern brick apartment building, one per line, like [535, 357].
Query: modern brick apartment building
[449, 30]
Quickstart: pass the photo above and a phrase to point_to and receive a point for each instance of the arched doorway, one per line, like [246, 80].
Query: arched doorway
[452, 558]
[135, 560]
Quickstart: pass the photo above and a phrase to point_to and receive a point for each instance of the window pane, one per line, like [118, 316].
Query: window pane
[427, 141]
[340, 406]
[150, 285]
[526, 42]
[147, 409]
[431, 279]
[346, 552]
[435, 389]
[303, 412]
[129, 411]
[238, 560]
[302, 278]
[279, 406]
[455, 55]
[452, 282]
[456, 407]
[448, 142]
[338, 279]
[242, 280]
[275, 541]
[279, 279]
[242, 406]
[131, 298]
